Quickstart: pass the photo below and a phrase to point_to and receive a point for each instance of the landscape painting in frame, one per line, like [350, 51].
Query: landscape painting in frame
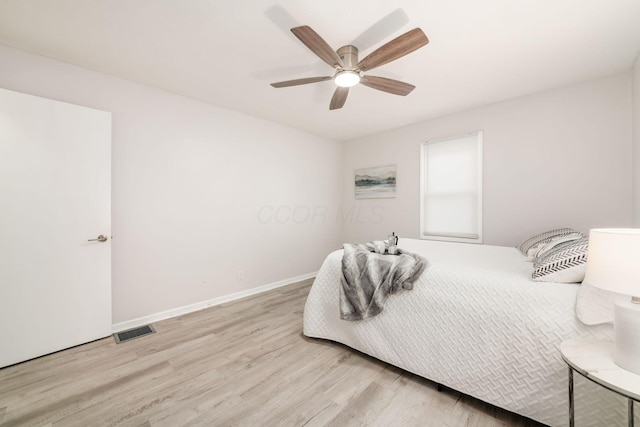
[376, 183]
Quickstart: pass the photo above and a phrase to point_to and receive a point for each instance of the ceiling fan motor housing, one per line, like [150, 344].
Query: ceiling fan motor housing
[349, 56]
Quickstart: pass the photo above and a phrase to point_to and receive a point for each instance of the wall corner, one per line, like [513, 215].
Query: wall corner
[635, 126]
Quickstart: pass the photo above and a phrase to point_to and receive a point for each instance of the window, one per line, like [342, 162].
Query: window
[451, 189]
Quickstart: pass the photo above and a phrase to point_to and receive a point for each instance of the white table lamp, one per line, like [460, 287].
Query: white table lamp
[613, 264]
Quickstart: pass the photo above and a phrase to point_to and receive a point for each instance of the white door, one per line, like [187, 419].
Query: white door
[55, 195]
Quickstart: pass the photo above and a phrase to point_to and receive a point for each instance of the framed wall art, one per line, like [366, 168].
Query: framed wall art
[375, 183]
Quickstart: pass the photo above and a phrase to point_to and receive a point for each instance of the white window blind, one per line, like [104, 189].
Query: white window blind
[451, 189]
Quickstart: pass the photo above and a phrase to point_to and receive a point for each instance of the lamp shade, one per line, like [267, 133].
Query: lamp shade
[613, 260]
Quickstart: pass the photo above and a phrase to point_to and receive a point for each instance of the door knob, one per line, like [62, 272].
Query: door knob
[100, 238]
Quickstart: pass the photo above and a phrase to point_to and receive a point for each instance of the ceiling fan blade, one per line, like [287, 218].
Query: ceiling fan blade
[396, 48]
[384, 84]
[317, 45]
[298, 82]
[339, 98]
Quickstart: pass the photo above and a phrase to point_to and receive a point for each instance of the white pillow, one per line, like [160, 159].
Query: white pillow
[566, 263]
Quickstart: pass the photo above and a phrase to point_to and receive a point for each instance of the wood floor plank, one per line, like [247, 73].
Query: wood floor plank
[241, 363]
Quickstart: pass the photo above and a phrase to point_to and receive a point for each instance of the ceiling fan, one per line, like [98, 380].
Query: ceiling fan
[349, 71]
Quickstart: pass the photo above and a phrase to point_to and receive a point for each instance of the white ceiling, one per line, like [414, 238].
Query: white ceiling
[226, 52]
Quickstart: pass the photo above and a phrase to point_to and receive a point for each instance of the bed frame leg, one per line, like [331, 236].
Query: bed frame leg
[439, 387]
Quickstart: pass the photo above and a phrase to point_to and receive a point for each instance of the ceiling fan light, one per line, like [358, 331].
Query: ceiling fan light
[347, 78]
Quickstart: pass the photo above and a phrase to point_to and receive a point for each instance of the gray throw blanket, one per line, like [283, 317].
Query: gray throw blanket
[369, 278]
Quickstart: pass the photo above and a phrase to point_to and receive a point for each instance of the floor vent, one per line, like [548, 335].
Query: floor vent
[132, 334]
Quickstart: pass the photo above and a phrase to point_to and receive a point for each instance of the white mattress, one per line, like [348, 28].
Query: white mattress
[477, 323]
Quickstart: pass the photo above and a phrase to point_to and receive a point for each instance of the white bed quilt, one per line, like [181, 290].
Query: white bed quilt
[477, 323]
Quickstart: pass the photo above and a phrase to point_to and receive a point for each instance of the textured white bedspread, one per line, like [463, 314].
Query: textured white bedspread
[477, 323]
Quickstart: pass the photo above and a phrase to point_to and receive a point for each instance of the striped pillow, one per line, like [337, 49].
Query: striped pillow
[547, 240]
[545, 248]
[566, 263]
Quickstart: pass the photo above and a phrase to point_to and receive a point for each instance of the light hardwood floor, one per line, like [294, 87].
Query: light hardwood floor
[244, 363]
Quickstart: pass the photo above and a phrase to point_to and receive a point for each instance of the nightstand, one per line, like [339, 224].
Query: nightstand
[593, 359]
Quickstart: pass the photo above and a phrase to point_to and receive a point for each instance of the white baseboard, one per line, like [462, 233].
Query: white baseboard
[134, 323]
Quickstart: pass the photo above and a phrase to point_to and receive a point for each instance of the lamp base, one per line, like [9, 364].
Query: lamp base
[627, 332]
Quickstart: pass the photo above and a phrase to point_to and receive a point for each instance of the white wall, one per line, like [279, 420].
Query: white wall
[554, 159]
[196, 190]
[636, 141]
[201, 193]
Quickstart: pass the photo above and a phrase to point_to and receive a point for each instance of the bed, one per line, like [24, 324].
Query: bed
[476, 323]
